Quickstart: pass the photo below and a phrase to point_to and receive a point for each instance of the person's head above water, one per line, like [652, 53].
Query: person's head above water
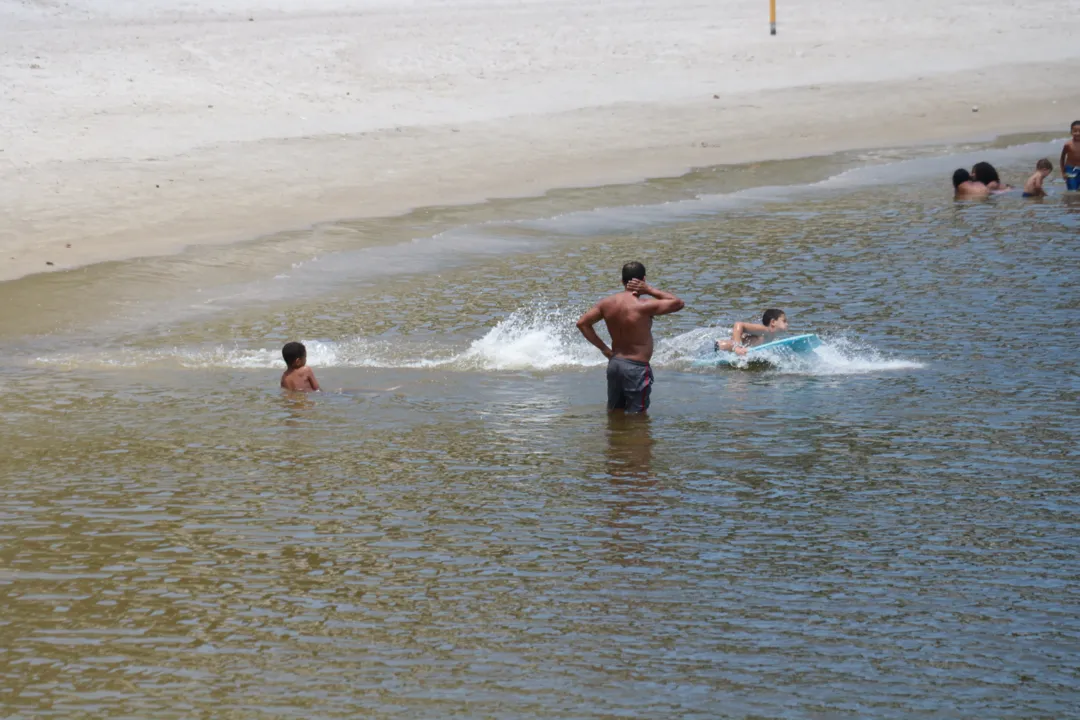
[774, 319]
[1045, 166]
[960, 177]
[294, 354]
[632, 271]
[1075, 129]
[985, 173]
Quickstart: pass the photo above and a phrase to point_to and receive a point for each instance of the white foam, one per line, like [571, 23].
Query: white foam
[841, 356]
[836, 356]
[531, 338]
[538, 337]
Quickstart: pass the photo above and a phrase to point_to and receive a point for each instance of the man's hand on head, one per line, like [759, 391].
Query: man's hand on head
[638, 287]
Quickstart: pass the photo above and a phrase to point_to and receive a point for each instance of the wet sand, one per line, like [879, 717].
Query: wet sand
[140, 130]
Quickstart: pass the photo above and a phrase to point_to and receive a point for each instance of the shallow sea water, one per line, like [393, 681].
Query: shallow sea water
[458, 529]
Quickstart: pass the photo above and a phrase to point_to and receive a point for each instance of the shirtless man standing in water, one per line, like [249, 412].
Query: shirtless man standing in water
[629, 320]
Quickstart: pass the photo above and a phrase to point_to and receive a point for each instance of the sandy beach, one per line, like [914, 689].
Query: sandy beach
[139, 128]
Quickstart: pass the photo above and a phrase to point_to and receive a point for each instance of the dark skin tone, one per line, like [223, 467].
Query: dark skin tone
[1070, 154]
[629, 316]
[299, 377]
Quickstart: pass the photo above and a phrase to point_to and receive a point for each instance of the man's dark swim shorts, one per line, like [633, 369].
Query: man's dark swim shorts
[629, 385]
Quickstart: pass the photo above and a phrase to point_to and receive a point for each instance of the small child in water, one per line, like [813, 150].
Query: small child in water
[1070, 159]
[297, 376]
[1034, 185]
[746, 335]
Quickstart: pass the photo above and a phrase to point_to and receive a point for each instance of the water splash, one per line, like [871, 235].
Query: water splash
[837, 355]
[537, 337]
[532, 338]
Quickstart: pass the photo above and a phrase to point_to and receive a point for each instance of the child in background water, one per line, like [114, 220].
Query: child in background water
[987, 174]
[1070, 159]
[967, 187]
[1034, 185]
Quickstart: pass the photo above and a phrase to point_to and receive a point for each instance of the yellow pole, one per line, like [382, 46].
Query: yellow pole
[772, 17]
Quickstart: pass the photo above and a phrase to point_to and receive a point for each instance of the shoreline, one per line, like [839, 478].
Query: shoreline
[207, 197]
[141, 130]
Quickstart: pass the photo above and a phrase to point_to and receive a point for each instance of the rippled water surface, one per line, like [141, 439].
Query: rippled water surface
[457, 528]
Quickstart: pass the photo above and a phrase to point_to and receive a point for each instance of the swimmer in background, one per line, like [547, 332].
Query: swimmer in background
[746, 335]
[967, 187]
[1070, 159]
[986, 174]
[298, 377]
[1034, 185]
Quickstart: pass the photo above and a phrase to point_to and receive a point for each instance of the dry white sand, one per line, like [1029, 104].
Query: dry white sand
[137, 127]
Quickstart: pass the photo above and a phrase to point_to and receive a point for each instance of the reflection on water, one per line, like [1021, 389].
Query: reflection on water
[463, 531]
[629, 447]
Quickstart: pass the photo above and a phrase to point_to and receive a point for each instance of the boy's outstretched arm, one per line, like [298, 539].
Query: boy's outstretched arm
[737, 331]
[744, 328]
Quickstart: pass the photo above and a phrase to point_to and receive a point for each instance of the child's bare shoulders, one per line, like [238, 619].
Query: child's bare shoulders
[307, 379]
[299, 379]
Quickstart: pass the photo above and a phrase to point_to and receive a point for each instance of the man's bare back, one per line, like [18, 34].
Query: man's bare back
[630, 326]
[629, 317]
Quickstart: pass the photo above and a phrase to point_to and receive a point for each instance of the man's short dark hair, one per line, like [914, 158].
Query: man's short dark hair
[960, 177]
[632, 271]
[292, 352]
[1044, 164]
[771, 314]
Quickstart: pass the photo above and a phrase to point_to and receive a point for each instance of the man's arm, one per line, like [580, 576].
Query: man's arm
[665, 302]
[585, 325]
